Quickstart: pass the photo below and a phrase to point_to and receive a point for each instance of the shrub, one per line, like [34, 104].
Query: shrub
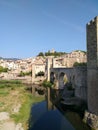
[79, 64]
[47, 84]
[2, 69]
[25, 73]
[41, 73]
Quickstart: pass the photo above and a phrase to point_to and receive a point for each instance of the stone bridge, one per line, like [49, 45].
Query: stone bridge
[61, 76]
[76, 76]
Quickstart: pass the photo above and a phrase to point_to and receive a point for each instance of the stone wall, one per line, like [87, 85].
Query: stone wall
[13, 76]
[91, 120]
[80, 82]
[92, 65]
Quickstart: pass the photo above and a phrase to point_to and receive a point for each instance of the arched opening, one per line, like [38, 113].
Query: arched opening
[52, 77]
[62, 80]
[73, 81]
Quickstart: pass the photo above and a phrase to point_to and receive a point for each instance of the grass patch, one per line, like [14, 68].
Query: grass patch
[4, 92]
[10, 81]
[10, 84]
[24, 112]
[1, 104]
[13, 93]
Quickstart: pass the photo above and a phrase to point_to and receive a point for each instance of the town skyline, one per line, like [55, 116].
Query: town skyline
[30, 27]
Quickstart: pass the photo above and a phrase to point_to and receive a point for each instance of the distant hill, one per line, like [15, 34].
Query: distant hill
[9, 58]
[57, 54]
[51, 53]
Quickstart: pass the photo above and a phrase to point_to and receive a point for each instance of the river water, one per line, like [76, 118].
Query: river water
[44, 119]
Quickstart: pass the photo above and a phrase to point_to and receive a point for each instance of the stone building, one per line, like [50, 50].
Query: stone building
[69, 59]
[38, 64]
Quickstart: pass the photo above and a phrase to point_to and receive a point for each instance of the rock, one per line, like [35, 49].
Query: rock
[16, 108]
[91, 119]
[8, 126]
[4, 116]
[19, 127]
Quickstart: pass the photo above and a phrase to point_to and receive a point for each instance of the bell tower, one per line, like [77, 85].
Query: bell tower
[92, 65]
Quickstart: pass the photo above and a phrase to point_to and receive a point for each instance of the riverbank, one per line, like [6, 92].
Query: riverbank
[15, 103]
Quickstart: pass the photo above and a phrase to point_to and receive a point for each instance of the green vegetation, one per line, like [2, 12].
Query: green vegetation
[55, 54]
[24, 113]
[25, 73]
[10, 84]
[41, 73]
[76, 64]
[12, 94]
[41, 54]
[2, 69]
[4, 93]
[82, 51]
[47, 84]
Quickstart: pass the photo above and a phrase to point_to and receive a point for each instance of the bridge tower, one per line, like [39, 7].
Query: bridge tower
[92, 65]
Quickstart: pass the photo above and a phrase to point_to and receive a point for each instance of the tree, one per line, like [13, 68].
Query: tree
[79, 64]
[2, 69]
[41, 73]
[41, 54]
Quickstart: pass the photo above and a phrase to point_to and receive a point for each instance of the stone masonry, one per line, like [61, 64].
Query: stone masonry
[92, 65]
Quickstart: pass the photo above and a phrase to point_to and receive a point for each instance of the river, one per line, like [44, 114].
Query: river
[44, 119]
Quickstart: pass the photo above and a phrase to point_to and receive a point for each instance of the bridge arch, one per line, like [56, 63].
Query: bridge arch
[52, 77]
[63, 79]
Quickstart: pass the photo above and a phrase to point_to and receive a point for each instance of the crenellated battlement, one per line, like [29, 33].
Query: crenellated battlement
[92, 21]
[92, 43]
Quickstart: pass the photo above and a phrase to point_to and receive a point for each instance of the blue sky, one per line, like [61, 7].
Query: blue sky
[28, 27]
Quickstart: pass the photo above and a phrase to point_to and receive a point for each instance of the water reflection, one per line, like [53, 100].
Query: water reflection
[46, 119]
